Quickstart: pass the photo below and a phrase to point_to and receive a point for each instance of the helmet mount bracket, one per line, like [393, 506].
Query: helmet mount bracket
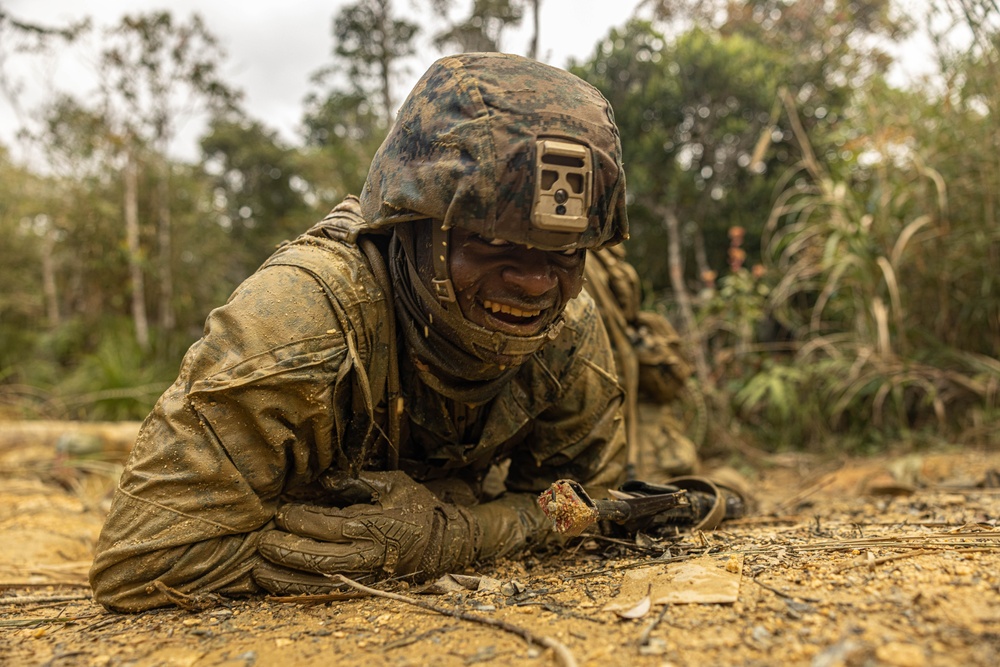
[563, 182]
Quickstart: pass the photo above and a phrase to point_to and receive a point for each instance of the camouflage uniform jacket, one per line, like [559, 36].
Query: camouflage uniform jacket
[285, 385]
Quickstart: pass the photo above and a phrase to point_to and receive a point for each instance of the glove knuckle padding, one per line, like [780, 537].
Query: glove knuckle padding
[396, 538]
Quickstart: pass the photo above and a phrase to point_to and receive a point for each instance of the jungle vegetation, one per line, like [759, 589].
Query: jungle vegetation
[827, 241]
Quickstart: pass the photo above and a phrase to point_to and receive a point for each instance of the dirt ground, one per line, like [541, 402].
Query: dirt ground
[889, 561]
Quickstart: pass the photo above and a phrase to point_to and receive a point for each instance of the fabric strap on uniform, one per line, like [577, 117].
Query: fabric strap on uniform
[598, 278]
[393, 396]
[443, 288]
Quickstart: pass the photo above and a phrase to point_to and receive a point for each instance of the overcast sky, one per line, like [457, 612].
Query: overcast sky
[274, 47]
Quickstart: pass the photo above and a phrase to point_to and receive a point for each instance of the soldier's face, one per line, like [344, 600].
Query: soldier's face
[511, 288]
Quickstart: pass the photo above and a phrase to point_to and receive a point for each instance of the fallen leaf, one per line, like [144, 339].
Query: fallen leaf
[704, 580]
[639, 610]
[443, 585]
[456, 583]
[488, 584]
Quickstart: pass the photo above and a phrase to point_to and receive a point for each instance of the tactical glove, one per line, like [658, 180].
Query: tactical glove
[400, 529]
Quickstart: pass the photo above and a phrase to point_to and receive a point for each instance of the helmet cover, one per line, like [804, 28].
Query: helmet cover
[468, 148]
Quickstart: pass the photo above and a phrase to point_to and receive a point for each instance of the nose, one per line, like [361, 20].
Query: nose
[531, 274]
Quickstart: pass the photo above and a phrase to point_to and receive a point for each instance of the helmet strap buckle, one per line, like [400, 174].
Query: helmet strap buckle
[443, 290]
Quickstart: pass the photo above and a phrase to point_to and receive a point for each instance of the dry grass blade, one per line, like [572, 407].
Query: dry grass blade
[809, 160]
[887, 559]
[935, 176]
[956, 540]
[904, 238]
[881, 316]
[894, 292]
[832, 345]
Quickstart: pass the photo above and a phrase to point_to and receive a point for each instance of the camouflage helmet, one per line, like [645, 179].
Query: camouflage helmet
[505, 147]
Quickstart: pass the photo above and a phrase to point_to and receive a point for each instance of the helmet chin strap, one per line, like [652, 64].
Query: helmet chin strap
[444, 313]
[444, 289]
[482, 339]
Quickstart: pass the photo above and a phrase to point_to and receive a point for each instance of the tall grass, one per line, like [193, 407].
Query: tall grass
[858, 266]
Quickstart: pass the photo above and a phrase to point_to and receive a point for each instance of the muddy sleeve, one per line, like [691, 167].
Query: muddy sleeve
[581, 434]
[248, 416]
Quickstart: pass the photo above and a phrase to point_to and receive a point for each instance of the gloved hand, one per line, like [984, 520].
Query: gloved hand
[399, 529]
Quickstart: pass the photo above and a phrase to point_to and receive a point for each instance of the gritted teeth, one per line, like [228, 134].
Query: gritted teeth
[509, 310]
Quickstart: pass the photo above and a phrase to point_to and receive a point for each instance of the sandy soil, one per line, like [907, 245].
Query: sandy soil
[890, 561]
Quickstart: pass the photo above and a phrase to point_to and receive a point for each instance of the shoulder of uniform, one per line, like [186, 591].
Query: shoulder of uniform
[339, 265]
[579, 356]
[582, 332]
[581, 313]
[344, 223]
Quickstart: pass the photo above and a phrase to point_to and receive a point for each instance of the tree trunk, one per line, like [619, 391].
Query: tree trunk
[385, 63]
[700, 254]
[49, 278]
[682, 297]
[386, 94]
[134, 250]
[164, 237]
[536, 13]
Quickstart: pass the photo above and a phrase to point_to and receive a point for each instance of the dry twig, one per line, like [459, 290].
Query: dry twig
[789, 503]
[562, 652]
[644, 637]
[186, 602]
[32, 622]
[8, 585]
[34, 599]
[413, 639]
[314, 598]
[886, 559]
[782, 594]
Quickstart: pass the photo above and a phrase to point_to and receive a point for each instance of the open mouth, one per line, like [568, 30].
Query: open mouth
[511, 315]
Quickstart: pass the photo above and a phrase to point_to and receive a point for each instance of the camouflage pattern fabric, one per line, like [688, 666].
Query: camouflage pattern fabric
[462, 151]
[287, 384]
[296, 376]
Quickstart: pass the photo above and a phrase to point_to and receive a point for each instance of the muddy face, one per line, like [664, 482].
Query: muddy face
[512, 288]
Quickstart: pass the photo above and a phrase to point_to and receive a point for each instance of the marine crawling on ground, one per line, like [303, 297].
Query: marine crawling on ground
[348, 409]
